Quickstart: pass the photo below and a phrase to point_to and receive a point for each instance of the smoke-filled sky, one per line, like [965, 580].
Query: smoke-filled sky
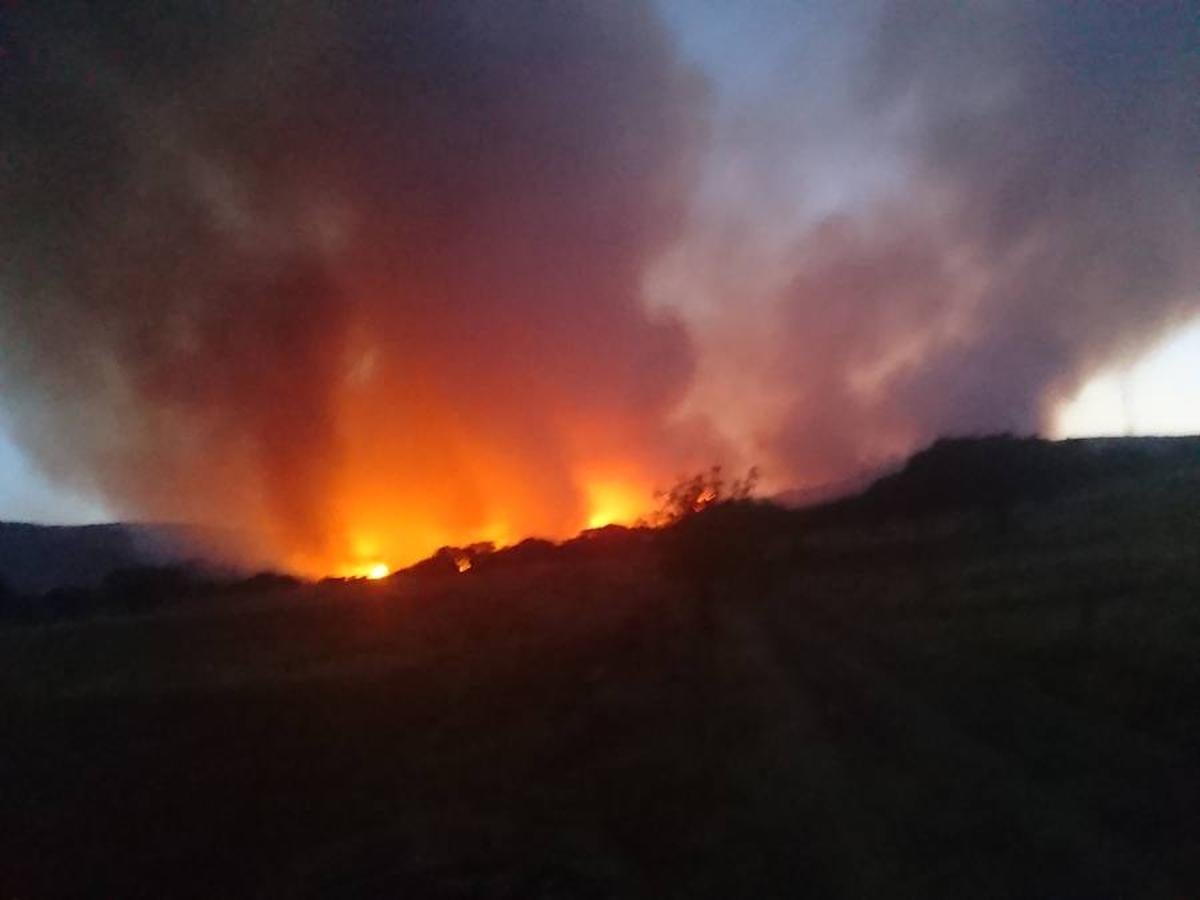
[363, 279]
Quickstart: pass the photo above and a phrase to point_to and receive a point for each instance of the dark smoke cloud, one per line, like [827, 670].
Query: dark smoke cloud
[1048, 224]
[930, 218]
[258, 255]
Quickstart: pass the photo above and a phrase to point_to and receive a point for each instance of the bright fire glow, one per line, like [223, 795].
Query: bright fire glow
[370, 570]
[373, 520]
[614, 503]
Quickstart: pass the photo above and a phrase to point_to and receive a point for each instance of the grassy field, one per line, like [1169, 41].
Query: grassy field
[901, 711]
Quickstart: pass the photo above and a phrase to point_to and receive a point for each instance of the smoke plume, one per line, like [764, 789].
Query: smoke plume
[928, 219]
[357, 278]
[363, 279]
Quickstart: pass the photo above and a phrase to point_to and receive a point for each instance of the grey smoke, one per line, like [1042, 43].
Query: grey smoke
[943, 218]
[260, 254]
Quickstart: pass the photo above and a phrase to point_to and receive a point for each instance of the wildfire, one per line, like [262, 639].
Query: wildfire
[381, 530]
[612, 503]
[705, 498]
[373, 571]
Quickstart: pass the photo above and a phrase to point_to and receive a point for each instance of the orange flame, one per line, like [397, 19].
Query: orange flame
[379, 528]
[613, 503]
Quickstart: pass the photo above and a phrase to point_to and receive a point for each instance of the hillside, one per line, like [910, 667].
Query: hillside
[39, 558]
[991, 475]
[997, 475]
[886, 708]
[36, 558]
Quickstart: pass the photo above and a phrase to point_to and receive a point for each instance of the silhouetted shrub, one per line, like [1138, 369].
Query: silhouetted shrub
[454, 560]
[695, 494]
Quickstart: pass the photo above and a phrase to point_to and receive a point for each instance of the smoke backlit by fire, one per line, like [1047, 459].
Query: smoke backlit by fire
[356, 283]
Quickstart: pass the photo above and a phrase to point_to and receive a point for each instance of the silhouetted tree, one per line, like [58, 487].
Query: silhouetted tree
[454, 560]
[699, 492]
[718, 541]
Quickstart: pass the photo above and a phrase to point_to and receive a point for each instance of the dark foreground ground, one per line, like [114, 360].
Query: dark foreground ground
[903, 712]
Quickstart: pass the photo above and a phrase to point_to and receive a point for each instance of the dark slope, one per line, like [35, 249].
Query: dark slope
[36, 558]
[999, 474]
[895, 711]
[39, 558]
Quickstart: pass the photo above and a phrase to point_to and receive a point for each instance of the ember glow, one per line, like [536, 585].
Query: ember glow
[616, 503]
[706, 497]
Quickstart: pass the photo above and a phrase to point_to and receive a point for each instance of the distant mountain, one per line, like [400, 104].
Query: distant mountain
[37, 558]
[998, 472]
